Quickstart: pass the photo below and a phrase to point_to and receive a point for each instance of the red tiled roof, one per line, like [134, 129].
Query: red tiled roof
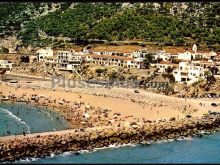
[203, 51]
[111, 57]
[51, 57]
[165, 62]
[119, 49]
[169, 63]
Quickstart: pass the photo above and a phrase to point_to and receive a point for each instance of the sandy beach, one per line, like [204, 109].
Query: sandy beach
[102, 112]
[147, 105]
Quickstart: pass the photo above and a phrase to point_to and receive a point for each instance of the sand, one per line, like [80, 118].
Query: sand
[170, 105]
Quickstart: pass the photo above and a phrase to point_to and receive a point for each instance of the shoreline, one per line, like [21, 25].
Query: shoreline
[39, 145]
[111, 120]
[53, 115]
[151, 106]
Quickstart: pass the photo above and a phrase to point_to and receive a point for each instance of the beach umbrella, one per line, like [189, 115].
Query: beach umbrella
[88, 106]
[134, 126]
[86, 115]
[60, 102]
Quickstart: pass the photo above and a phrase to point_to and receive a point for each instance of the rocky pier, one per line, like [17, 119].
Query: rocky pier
[40, 145]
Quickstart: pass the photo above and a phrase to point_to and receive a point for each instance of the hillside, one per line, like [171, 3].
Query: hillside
[62, 24]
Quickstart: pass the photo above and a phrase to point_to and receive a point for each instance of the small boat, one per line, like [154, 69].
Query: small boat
[5, 99]
[14, 81]
[76, 153]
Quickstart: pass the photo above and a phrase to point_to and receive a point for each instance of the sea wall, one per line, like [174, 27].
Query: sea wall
[41, 145]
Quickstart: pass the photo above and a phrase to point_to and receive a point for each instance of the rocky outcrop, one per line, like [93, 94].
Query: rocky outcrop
[90, 138]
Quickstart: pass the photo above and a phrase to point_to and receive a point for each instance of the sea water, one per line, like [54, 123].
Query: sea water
[20, 117]
[196, 150]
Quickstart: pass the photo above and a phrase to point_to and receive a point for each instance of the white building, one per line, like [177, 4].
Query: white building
[210, 56]
[163, 65]
[194, 48]
[68, 59]
[140, 53]
[188, 72]
[6, 64]
[163, 55]
[186, 56]
[42, 53]
[121, 61]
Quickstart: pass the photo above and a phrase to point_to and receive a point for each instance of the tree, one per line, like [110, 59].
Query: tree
[169, 70]
[4, 50]
[209, 77]
[148, 59]
[214, 70]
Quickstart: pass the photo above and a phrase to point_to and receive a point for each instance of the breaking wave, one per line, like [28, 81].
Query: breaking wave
[16, 118]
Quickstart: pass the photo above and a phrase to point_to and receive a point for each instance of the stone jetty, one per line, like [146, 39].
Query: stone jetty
[44, 144]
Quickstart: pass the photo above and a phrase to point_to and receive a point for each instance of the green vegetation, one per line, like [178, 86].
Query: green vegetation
[4, 50]
[170, 24]
[147, 60]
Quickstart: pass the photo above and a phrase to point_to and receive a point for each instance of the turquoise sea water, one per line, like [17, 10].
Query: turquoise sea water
[19, 118]
[197, 150]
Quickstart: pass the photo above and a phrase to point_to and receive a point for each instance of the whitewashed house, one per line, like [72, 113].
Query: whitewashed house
[107, 60]
[195, 72]
[68, 59]
[210, 56]
[163, 65]
[188, 72]
[6, 64]
[163, 55]
[140, 53]
[186, 56]
[42, 53]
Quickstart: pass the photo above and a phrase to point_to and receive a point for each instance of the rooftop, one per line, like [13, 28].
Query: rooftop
[51, 57]
[120, 49]
[111, 57]
[169, 63]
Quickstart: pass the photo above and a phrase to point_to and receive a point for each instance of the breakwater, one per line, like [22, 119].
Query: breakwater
[45, 144]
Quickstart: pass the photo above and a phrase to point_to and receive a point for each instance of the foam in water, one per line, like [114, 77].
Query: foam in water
[188, 138]
[67, 153]
[52, 155]
[16, 118]
[116, 146]
[29, 159]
